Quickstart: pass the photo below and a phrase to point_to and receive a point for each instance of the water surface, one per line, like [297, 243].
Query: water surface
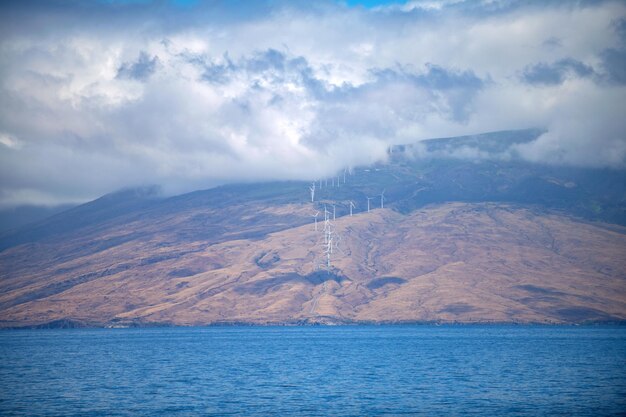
[345, 370]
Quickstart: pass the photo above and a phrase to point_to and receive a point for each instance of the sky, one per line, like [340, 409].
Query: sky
[103, 95]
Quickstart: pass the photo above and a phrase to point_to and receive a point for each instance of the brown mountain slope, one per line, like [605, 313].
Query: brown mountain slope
[449, 263]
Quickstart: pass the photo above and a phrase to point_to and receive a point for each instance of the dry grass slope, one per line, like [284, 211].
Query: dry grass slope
[454, 262]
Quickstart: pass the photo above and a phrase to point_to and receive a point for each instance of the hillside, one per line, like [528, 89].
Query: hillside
[457, 241]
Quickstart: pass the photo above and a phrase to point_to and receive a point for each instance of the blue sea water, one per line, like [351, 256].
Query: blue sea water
[315, 371]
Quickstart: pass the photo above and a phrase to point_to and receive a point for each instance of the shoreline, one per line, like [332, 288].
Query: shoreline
[76, 324]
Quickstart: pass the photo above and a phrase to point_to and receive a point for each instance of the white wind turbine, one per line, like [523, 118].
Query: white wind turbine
[368, 203]
[351, 207]
[382, 199]
[312, 188]
[315, 217]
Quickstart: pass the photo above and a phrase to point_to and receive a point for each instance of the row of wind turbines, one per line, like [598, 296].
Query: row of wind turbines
[351, 203]
[331, 238]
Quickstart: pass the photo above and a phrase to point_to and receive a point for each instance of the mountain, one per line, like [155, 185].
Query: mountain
[487, 239]
[16, 217]
[98, 212]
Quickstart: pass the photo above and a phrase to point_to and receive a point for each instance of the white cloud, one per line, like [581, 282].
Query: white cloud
[585, 127]
[104, 98]
[10, 141]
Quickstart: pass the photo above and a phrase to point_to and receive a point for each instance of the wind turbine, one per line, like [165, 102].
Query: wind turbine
[334, 212]
[315, 217]
[368, 203]
[326, 224]
[344, 175]
[382, 199]
[351, 207]
[312, 188]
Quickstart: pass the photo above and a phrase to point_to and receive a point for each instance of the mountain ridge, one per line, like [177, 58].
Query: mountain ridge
[511, 250]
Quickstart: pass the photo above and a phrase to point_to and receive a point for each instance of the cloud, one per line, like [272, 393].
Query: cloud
[613, 60]
[9, 142]
[106, 95]
[140, 70]
[614, 63]
[556, 72]
[574, 138]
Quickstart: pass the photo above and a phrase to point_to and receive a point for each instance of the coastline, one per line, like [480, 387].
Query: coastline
[77, 324]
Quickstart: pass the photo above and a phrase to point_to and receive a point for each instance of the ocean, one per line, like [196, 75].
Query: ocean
[386, 370]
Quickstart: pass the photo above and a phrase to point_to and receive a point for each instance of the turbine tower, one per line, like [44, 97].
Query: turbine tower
[330, 243]
[368, 203]
[351, 207]
[382, 199]
[326, 224]
[312, 188]
[315, 217]
[328, 238]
